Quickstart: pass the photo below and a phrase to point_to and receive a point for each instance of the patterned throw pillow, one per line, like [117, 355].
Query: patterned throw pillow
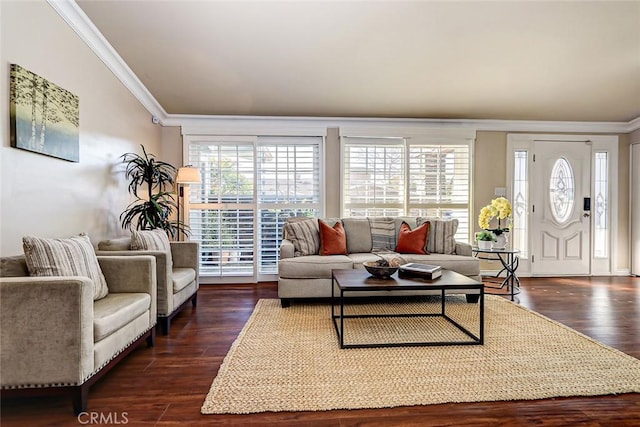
[333, 240]
[151, 240]
[304, 235]
[441, 235]
[413, 241]
[383, 234]
[74, 256]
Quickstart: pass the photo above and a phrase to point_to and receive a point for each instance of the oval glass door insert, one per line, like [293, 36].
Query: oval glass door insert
[561, 190]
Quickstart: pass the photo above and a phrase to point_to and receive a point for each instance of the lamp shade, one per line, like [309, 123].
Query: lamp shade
[188, 175]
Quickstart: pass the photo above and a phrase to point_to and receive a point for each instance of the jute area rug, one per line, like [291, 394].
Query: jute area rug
[289, 360]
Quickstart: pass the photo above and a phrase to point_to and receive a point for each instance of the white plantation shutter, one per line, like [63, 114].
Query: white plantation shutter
[288, 173]
[396, 177]
[373, 180]
[222, 207]
[250, 186]
[439, 177]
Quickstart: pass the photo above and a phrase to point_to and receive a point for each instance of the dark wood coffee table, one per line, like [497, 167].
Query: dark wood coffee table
[359, 281]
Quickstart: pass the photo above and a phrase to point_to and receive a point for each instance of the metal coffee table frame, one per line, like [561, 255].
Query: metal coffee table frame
[449, 281]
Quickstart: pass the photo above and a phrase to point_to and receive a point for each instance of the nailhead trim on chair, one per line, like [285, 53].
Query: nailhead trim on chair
[21, 386]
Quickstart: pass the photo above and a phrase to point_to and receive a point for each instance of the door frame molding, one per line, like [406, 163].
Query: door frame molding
[599, 143]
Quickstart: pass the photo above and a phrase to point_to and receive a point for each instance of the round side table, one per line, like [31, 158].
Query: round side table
[509, 260]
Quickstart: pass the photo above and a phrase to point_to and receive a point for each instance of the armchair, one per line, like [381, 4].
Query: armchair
[55, 338]
[177, 274]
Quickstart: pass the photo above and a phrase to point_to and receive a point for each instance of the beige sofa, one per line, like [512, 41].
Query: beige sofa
[55, 337]
[309, 276]
[177, 275]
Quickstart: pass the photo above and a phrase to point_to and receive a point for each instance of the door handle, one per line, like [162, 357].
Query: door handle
[586, 214]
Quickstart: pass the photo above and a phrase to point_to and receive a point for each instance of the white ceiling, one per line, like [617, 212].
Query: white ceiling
[564, 61]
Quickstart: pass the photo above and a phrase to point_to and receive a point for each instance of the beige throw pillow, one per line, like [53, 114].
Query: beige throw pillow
[74, 256]
[441, 239]
[151, 240]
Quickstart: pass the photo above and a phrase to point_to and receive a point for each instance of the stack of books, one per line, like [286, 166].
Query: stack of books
[421, 271]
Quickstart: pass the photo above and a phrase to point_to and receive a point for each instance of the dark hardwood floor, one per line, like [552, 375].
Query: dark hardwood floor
[167, 384]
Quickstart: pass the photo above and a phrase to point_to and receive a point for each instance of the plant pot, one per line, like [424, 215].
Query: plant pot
[501, 241]
[484, 244]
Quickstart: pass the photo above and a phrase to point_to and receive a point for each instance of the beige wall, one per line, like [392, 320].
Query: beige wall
[332, 173]
[490, 169]
[172, 145]
[44, 196]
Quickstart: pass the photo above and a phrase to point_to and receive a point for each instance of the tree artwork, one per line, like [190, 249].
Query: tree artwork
[44, 117]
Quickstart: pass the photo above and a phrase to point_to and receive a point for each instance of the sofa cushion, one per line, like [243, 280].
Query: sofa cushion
[117, 244]
[467, 265]
[13, 266]
[312, 266]
[358, 231]
[304, 235]
[441, 235]
[359, 258]
[412, 241]
[116, 310]
[383, 233]
[182, 277]
[73, 256]
[333, 240]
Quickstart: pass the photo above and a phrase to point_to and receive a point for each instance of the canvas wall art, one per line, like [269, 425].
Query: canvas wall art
[44, 117]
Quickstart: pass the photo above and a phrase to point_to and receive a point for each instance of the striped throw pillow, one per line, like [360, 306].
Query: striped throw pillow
[150, 240]
[305, 236]
[441, 239]
[74, 256]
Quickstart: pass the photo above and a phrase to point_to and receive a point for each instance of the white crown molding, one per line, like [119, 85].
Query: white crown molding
[633, 125]
[89, 33]
[409, 126]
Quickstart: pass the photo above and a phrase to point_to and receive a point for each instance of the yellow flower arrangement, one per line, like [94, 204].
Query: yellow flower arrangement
[500, 208]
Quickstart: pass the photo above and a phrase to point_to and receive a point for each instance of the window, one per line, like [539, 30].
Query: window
[288, 185]
[561, 190]
[600, 208]
[520, 205]
[392, 177]
[439, 184]
[374, 178]
[249, 187]
[221, 209]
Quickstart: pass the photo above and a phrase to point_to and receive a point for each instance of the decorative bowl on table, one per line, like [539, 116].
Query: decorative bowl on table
[380, 270]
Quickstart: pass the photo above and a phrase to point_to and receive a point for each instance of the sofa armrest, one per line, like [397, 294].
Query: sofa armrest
[132, 274]
[287, 249]
[463, 249]
[46, 330]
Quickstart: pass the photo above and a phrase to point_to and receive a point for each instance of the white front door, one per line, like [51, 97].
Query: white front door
[560, 224]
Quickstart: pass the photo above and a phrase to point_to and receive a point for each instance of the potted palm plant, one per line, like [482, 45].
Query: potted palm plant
[154, 211]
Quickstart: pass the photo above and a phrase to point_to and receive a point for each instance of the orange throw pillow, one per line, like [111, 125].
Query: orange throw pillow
[333, 241]
[413, 241]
